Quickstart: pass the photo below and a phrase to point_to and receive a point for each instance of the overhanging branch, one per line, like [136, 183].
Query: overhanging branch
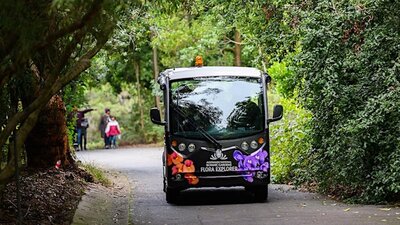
[86, 19]
[52, 86]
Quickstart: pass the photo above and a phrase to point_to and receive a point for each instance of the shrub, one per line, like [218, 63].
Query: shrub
[290, 144]
[349, 74]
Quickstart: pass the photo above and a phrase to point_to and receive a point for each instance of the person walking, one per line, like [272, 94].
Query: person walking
[83, 133]
[79, 129]
[104, 120]
[112, 131]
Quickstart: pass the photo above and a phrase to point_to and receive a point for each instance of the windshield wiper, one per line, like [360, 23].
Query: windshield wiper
[199, 129]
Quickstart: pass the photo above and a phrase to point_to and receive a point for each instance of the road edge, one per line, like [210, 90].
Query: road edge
[105, 205]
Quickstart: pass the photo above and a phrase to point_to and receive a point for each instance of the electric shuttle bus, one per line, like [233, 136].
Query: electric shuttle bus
[216, 129]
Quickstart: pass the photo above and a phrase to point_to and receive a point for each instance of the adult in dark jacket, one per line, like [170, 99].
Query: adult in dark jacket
[102, 127]
[81, 126]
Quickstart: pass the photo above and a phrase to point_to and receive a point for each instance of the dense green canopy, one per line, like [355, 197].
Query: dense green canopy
[334, 64]
[348, 75]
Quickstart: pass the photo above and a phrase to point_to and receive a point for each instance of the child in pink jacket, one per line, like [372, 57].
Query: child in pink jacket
[112, 131]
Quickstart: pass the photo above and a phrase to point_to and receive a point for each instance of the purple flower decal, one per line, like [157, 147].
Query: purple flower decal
[264, 167]
[261, 156]
[238, 156]
[248, 164]
[241, 166]
[248, 178]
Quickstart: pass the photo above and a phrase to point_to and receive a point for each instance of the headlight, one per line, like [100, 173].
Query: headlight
[191, 147]
[174, 143]
[244, 146]
[182, 147]
[254, 144]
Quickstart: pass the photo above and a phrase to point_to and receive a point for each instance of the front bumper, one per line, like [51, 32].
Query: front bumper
[246, 179]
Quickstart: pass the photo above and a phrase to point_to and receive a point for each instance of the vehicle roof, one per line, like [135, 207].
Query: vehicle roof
[207, 71]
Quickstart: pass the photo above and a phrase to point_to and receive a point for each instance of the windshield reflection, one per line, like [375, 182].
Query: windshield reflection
[225, 107]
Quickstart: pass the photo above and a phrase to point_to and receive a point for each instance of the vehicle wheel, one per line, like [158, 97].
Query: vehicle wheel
[164, 184]
[260, 193]
[171, 195]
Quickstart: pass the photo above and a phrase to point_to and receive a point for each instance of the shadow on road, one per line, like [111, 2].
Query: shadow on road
[214, 196]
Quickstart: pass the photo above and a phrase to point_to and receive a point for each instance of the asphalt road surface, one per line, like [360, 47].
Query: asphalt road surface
[230, 206]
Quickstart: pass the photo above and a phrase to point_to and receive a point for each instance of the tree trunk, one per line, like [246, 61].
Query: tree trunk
[156, 71]
[238, 41]
[187, 5]
[21, 134]
[263, 59]
[48, 141]
[140, 102]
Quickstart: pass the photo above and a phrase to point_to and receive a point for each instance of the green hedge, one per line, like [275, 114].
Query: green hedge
[349, 77]
[290, 144]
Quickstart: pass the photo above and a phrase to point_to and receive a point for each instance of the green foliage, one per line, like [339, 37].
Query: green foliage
[267, 28]
[100, 98]
[282, 78]
[127, 109]
[341, 59]
[97, 173]
[149, 133]
[73, 97]
[349, 73]
[200, 37]
[290, 143]
[44, 45]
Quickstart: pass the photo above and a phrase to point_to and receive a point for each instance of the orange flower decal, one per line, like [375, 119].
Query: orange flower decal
[180, 166]
[169, 160]
[192, 179]
[176, 158]
[177, 168]
[188, 166]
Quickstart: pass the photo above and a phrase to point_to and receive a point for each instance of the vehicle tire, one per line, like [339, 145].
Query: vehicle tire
[164, 184]
[260, 193]
[171, 195]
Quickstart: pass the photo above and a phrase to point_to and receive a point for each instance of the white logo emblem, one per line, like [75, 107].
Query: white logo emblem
[218, 155]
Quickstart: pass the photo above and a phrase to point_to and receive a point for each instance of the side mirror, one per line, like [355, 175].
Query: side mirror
[277, 114]
[267, 78]
[155, 116]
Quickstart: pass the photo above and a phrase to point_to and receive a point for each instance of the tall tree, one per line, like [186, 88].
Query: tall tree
[156, 71]
[136, 66]
[237, 50]
[44, 45]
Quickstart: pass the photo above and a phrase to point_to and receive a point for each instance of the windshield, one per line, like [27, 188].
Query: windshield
[225, 107]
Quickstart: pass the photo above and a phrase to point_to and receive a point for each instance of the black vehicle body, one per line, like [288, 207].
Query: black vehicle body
[216, 129]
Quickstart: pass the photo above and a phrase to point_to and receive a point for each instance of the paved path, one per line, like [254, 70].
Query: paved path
[226, 205]
[105, 205]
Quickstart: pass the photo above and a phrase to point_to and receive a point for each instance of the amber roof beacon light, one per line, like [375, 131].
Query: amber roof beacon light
[199, 61]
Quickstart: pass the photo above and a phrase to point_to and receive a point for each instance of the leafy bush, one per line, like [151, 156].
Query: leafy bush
[141, 129]
[283, 79]
[349, 74]
[126, 107]
[290, 144]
